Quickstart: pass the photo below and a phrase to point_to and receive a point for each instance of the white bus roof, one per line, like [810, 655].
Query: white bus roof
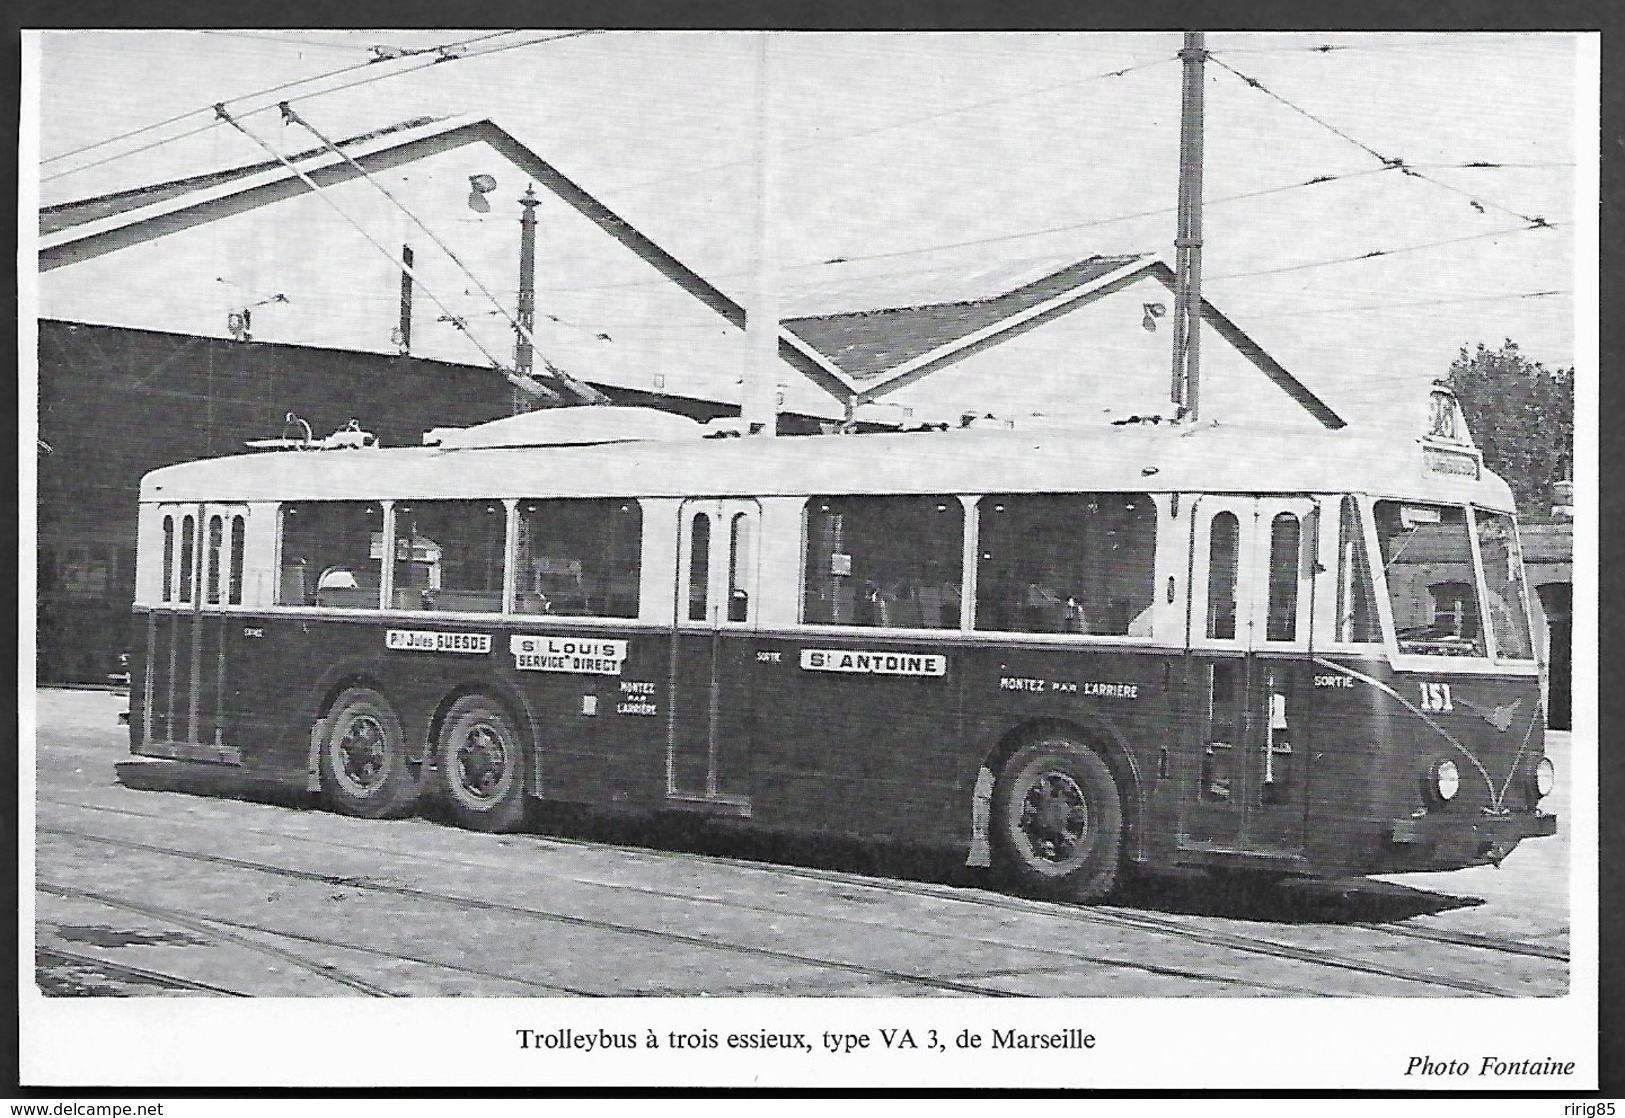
[1131, 458]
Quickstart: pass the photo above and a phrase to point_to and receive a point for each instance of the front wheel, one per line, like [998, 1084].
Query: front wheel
[1057, 821]
[363, 758]
[481, 766]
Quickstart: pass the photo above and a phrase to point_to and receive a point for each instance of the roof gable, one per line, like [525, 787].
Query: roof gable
[865, 344]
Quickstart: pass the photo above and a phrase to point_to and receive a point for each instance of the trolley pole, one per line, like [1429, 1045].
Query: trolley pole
[1188, 239]
[523, 356]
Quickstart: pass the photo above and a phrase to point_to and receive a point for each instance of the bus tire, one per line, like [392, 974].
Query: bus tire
[363, 758]
[1057, 822]
[480, 760]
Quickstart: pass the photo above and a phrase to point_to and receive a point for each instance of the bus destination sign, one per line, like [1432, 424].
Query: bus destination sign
[582, 656]
[873, 663]
[1449, 463]
[429, 640]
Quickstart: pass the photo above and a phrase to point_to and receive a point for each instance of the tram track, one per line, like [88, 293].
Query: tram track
[212, 925]
[83, 970]
[1254, 945]
[206, 925]
[1469, 939]
[970, 984]
[946, 984]
[962, 894]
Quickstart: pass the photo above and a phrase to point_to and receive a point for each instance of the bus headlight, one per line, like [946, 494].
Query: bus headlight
[1444, 780]
[1545, 777]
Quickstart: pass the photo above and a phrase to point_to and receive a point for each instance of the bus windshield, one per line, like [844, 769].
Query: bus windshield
[1503, 585]
[1427, 561]
[1439, 606]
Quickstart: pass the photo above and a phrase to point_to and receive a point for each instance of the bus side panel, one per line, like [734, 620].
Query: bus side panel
[279, 670]
[854, 751]
[1127, 703]
[601, 737]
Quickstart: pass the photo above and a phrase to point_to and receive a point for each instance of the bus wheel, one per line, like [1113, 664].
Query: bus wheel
[1057, 821]
[363, 759]
[482, 766]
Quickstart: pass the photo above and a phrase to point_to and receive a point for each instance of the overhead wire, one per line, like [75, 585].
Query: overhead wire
[421, 65]
[1387, 160]
[1401, 41]
[945, 246]
[208, 109]
[846, 137]
[1378, 253]
[283, 40]
[1287, 313]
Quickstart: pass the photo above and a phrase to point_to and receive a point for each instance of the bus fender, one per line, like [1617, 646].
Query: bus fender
[1097, 733]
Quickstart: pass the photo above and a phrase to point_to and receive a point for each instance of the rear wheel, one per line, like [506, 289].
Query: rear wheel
[1057, 821]
[481, 765]
[363, 758]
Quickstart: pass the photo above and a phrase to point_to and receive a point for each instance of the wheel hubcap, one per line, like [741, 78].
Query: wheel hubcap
[481, 762]
[1055, 819]
[361, 751]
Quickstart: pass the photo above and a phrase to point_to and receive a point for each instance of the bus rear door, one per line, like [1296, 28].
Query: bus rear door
[707, 751]
[185, 694]
[1252, 592]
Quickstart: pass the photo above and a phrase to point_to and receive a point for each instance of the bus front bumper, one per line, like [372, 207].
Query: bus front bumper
[1450, 841]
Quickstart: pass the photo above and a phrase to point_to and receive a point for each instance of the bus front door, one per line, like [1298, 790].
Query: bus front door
[708, 720]
[1243, 786]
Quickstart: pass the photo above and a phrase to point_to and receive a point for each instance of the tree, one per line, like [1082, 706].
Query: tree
[1521, 415]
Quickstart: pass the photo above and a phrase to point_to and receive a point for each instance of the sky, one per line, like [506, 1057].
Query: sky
[904, 155]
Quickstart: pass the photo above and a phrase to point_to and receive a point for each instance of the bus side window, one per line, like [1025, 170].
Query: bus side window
[332, 553]
[188, 550]
[889, 562]
[169, 558]
[1224, 541]
[217, 533]
[234, 582]
[739, 565]
[578, 557]
[1286, 538]
[1067, 563]
[448, 555]
[699, 567]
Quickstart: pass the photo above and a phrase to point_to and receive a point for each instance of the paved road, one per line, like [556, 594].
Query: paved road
[168, 893]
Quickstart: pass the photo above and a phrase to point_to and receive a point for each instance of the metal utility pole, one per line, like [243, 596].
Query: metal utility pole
[523, 355]
[403, 332]
[1188, 239]
[759, 395]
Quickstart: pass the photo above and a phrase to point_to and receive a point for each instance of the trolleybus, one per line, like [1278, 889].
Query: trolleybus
[1058, 652]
